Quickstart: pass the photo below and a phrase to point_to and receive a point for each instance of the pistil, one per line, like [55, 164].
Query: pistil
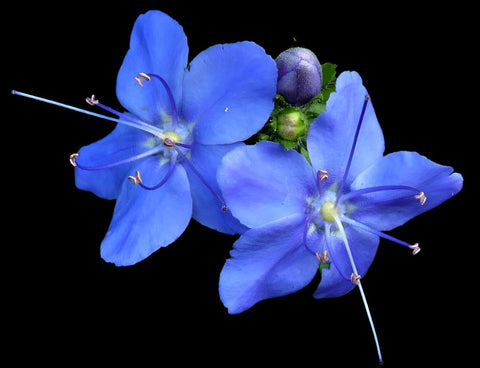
[355, 278]
[145, 127]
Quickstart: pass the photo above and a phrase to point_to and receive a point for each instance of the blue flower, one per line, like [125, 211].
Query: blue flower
[328, 214]
[181, 120]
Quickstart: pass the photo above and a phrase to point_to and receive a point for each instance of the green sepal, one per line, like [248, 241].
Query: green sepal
[287, 144]
[303, 151]
[315, 107]
[263, 137]
[280, 102]
[310, 110]
[317, 104]
[324, 265]
[329, 73]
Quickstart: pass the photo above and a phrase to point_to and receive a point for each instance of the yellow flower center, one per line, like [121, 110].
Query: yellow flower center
[329, 211]
[173, 136]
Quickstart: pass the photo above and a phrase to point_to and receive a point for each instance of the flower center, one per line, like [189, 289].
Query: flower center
[172, 136]
[329, 211]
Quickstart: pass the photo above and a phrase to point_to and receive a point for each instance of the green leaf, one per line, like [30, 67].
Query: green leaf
[329, 72]
[315, 108]
[280, 102]
[317, 104]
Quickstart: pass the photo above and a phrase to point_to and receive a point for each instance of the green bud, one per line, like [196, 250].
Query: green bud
[290, 124]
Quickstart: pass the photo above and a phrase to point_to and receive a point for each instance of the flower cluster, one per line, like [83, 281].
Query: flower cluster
[314, 193]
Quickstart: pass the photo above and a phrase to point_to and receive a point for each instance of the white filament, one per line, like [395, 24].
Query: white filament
[362, 293]
[143, 127]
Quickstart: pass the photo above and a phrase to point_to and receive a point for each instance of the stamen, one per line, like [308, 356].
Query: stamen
[422, 198]
[74, 162]
[355, 278]
[352, 150]
[322, 175]
[323, 258]
[362, 226]
[148, 77]
[73, 158]
[91, 100]
[149, 128]
[215, 194]
[141, 77]
[356, 193]
[145, 76]
[137, 179]
[145, 127]
[415, 248]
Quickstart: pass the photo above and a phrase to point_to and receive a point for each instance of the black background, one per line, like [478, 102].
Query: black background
[65, 304]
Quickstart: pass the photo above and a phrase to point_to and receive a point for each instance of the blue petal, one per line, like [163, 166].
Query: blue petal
[267, 262]
[122, 143]
[389, 209]
[331, 135]
[332, 284]
[228, 92]
[363, 246]
[263, 183]
[158, 45]
[207, 208]
[336, 280]
[146, 220]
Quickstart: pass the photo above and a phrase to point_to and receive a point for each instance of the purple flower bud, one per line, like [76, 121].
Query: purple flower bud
[299, 75]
